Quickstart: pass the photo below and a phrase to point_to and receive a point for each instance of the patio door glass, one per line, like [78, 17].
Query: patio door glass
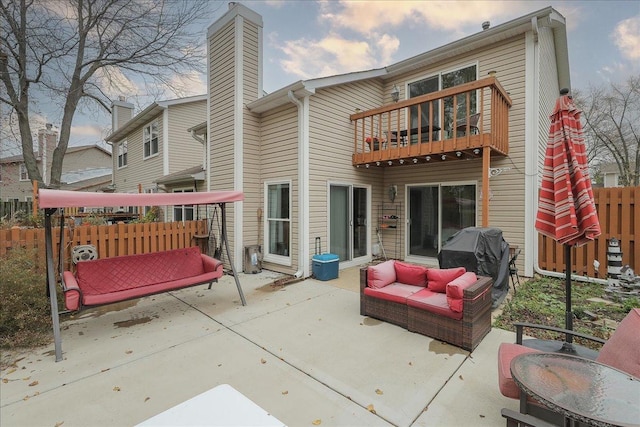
[348, 237]
[437, 212]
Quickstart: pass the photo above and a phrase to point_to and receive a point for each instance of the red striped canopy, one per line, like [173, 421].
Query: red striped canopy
[566, 210]
[63, 198]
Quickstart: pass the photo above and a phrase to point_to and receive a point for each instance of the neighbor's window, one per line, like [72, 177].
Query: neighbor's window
[24, 175]
[122, 154]
[183, 212]
[150, 139]
[278, 219]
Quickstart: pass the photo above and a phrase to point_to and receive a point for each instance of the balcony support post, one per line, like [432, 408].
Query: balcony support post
[486, 157]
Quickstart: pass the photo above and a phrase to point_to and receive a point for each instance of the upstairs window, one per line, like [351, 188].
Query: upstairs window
[122, 154]
[150, 139]
[24, 175]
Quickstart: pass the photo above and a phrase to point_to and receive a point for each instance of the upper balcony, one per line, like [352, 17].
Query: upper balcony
[455, 123]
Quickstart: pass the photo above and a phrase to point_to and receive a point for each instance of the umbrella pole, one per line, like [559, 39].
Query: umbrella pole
[568, 344]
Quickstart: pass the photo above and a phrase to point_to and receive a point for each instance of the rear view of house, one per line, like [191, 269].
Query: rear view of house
[389, 161]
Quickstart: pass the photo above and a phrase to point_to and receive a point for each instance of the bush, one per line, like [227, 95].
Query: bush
[25, 315]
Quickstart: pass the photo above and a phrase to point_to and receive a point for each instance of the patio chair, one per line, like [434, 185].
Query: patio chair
[513, 268]
[461, 125]
[620, 351]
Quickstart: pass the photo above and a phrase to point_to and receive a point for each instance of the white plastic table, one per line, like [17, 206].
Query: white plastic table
[221, 406]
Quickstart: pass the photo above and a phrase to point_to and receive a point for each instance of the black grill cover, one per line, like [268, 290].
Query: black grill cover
[483, 251]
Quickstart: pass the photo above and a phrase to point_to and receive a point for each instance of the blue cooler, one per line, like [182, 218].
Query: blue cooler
[325, 266]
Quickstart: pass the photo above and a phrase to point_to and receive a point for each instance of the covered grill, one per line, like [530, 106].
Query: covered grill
[483, 251]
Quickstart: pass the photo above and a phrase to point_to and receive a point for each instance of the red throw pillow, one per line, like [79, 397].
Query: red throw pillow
[438, 278]
[455, 290]
[381, 275]
[411, 274]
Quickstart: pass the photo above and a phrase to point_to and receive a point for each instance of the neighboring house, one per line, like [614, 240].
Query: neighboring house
[611, 174]
[301, 156]
[87, 167]
[155, 150]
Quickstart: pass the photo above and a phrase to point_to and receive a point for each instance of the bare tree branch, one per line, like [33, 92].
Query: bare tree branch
[55, 49]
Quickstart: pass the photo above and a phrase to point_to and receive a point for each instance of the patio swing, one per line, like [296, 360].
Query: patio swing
[211, 269]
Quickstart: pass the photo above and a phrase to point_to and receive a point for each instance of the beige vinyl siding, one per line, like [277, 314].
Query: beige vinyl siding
[549, 90]
[279, 160]
[89, 158]
[221, 116]
[506, 210]
[251, 138]
[331, 149]
[139, 171]
[184, 151]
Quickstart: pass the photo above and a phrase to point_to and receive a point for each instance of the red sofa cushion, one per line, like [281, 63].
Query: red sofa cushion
[438, 278]
[411, 274]
[455, 290]
[103, 276]
[381, 275]
[622, 350]
[395, 292]
[434, 302]
[506, 353]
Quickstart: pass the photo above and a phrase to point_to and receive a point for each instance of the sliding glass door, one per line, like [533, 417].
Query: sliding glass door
[348, 221]
[436, 212]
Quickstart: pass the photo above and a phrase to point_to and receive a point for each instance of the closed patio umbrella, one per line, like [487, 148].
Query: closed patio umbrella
[566, 209]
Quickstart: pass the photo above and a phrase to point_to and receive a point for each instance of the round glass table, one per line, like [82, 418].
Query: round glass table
[579, 389]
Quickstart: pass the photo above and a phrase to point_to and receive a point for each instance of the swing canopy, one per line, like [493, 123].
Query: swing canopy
[64, 198]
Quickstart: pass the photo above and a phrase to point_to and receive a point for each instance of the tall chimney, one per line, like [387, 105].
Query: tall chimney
[47, 142]
[121, 113]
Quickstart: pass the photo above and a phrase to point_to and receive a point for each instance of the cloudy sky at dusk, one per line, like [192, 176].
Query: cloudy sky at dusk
[309, 39]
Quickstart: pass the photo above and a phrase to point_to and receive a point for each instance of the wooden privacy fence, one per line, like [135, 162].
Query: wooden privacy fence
[110, 240]
[619, 216]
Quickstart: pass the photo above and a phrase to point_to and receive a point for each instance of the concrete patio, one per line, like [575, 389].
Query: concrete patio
[301, 351]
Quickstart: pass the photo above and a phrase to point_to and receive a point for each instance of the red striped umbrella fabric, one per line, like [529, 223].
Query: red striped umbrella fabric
[566, 210]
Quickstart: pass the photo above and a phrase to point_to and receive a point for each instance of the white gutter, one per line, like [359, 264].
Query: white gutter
[303, 185]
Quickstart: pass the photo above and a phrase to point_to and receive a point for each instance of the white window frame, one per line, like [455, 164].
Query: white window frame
[439, 75]
[23, 171]
[276, 258]
[415, 258]
[123, 157]
[184, 208]
[148, 140]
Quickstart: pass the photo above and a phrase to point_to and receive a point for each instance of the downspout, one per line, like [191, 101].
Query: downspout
[303, 160]
[534, 234]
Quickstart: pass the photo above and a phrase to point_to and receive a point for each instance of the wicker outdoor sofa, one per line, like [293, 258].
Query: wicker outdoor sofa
[450, 305]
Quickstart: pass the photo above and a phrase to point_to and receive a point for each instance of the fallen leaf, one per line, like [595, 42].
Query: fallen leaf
[10, 371]
[378, 391]
[116, 388]
[146, 399]
[316, 422]
[128, 352]
[4, 380]
[59, 424]
[34, 383]
[410, 363]
[285, 392]
[263, 361]
[105, 370]
[461, 377]
[481, 416]
[371, 409]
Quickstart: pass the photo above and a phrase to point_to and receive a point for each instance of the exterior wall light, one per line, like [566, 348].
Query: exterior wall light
[395, 93]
